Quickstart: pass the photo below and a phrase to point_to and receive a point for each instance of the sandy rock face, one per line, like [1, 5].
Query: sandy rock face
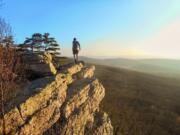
[65, 104]
[101, 124]
[40, 63]
[86, 72]
[87, 100]
[41, 108]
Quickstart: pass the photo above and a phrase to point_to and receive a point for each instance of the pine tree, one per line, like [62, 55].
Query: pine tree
[46, 40]
[37, 39]
[42, 42]
[53, 47]
[35, 42]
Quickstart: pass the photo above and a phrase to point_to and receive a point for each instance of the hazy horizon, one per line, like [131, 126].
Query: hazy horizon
[130, 58]
[130, 29]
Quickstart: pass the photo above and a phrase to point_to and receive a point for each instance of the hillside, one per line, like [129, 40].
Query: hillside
[140, 104]
[162, 67]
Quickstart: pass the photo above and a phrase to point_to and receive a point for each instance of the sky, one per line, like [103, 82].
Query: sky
[104, 28]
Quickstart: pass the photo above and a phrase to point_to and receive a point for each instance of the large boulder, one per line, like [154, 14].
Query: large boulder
[39, 64]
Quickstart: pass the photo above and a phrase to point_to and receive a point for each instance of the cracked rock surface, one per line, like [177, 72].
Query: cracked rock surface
[64, 104]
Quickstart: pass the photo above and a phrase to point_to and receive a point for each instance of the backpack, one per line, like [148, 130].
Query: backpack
[76, 45]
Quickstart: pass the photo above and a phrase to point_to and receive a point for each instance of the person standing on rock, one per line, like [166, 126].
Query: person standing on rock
[75, 48]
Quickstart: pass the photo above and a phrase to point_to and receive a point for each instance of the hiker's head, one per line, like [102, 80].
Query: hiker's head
[74, 39]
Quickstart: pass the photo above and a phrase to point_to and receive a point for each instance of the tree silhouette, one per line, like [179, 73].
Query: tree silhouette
[53, 47]
[46, 40]
[42, 42]
[35, 42]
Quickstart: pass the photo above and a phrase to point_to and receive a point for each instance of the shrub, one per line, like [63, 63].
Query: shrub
[11, 73]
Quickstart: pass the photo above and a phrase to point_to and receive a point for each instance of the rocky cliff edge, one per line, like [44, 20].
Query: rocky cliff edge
[64, 104]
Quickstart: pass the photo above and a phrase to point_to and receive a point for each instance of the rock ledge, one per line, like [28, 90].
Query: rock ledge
[66, 104]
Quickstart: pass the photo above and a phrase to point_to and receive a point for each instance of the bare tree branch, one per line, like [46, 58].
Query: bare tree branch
[5, 29]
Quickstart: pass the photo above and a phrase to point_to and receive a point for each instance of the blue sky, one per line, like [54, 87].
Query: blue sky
[118, 28]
